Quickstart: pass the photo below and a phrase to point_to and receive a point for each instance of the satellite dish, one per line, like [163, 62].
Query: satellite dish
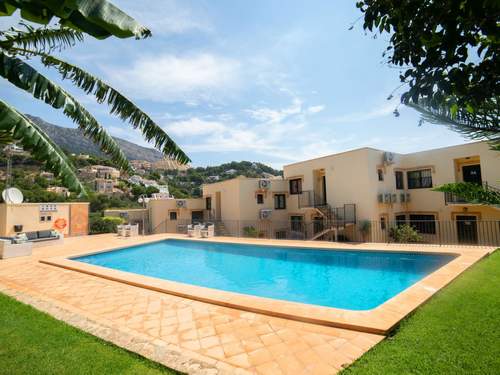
[12, 196]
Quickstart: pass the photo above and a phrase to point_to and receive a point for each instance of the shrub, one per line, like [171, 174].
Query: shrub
[104, 224]
[250, 232]
[405, 233]
[365, 227]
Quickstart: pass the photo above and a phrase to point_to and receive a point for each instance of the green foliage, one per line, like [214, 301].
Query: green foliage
[365, 226]
[479, 124]
[449, 48]
[25, 77]
[154, 175]
[250, 232]
[101, 202]
[104, 224]
[138, 190]
[41, 181]
[100, 19]
[404, 234]
[472, 193]
[41, 39]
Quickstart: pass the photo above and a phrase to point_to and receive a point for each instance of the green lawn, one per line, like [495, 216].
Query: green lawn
[457, 332]
[32, 342]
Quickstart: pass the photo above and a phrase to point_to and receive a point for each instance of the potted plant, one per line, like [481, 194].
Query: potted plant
[365, 229]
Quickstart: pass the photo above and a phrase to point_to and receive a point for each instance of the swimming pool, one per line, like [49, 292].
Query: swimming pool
[353, 280]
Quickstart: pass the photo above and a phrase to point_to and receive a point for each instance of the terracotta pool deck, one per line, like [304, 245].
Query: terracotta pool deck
[198, 337]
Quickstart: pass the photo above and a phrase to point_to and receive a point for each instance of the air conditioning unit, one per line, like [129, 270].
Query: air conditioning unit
[181, 203]
[48, 207]
[264, 184]
[388, 158]
[265, 213]
[387, 198]
[380, 198]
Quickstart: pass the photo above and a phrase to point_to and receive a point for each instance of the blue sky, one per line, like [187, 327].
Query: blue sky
[265, 80]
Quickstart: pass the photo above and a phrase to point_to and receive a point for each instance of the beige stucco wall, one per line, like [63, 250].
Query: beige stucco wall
[159, 216]
[238, 203]
[28, 215]
[351, 177]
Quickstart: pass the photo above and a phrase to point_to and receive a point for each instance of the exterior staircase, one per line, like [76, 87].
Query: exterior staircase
[220, 229]
[335, 219]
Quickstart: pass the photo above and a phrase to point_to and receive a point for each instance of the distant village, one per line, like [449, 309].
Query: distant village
[162, 179]
[106, 179]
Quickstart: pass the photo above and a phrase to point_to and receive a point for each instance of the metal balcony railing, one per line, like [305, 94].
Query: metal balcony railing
[309, 199]
[452, 198]
[345, 214]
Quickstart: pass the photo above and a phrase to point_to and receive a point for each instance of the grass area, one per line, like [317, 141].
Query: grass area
[32, 342]
[457, 332]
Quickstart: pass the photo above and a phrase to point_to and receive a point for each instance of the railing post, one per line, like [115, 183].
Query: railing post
[439, 231]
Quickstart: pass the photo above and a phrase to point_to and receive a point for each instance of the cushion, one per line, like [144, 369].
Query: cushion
[31, 235]
[44, 233]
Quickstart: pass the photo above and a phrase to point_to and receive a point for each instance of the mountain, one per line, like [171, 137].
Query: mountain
[72, 140]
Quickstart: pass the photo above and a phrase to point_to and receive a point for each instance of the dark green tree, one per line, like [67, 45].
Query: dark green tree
[448, 54]
[446, 48]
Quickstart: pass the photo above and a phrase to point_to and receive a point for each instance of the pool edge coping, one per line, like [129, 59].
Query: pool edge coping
[379, 320]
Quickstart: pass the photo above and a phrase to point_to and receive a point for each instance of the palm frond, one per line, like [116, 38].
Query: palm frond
[34, 140]
[120, 106]
[41, 39]
[100, 19]
[27, 78]
[479, 123]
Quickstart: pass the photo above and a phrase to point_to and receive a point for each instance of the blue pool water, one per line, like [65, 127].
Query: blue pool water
[354, 280]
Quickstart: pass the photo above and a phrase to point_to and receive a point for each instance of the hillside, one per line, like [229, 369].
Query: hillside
[72, 140]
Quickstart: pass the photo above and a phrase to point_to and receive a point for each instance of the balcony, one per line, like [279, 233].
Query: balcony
[334, 215]
[452, 198]
[311, 199]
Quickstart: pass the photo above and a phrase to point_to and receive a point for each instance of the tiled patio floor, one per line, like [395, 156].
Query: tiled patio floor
[184, 334]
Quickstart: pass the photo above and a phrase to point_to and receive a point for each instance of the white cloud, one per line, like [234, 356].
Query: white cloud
[276, 115]
[172, 78]
[277, 133]
[171, 17]
[315, 108]
[195, 126]
[381, 111]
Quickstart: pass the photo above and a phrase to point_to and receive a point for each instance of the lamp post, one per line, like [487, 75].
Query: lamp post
[143, 199]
